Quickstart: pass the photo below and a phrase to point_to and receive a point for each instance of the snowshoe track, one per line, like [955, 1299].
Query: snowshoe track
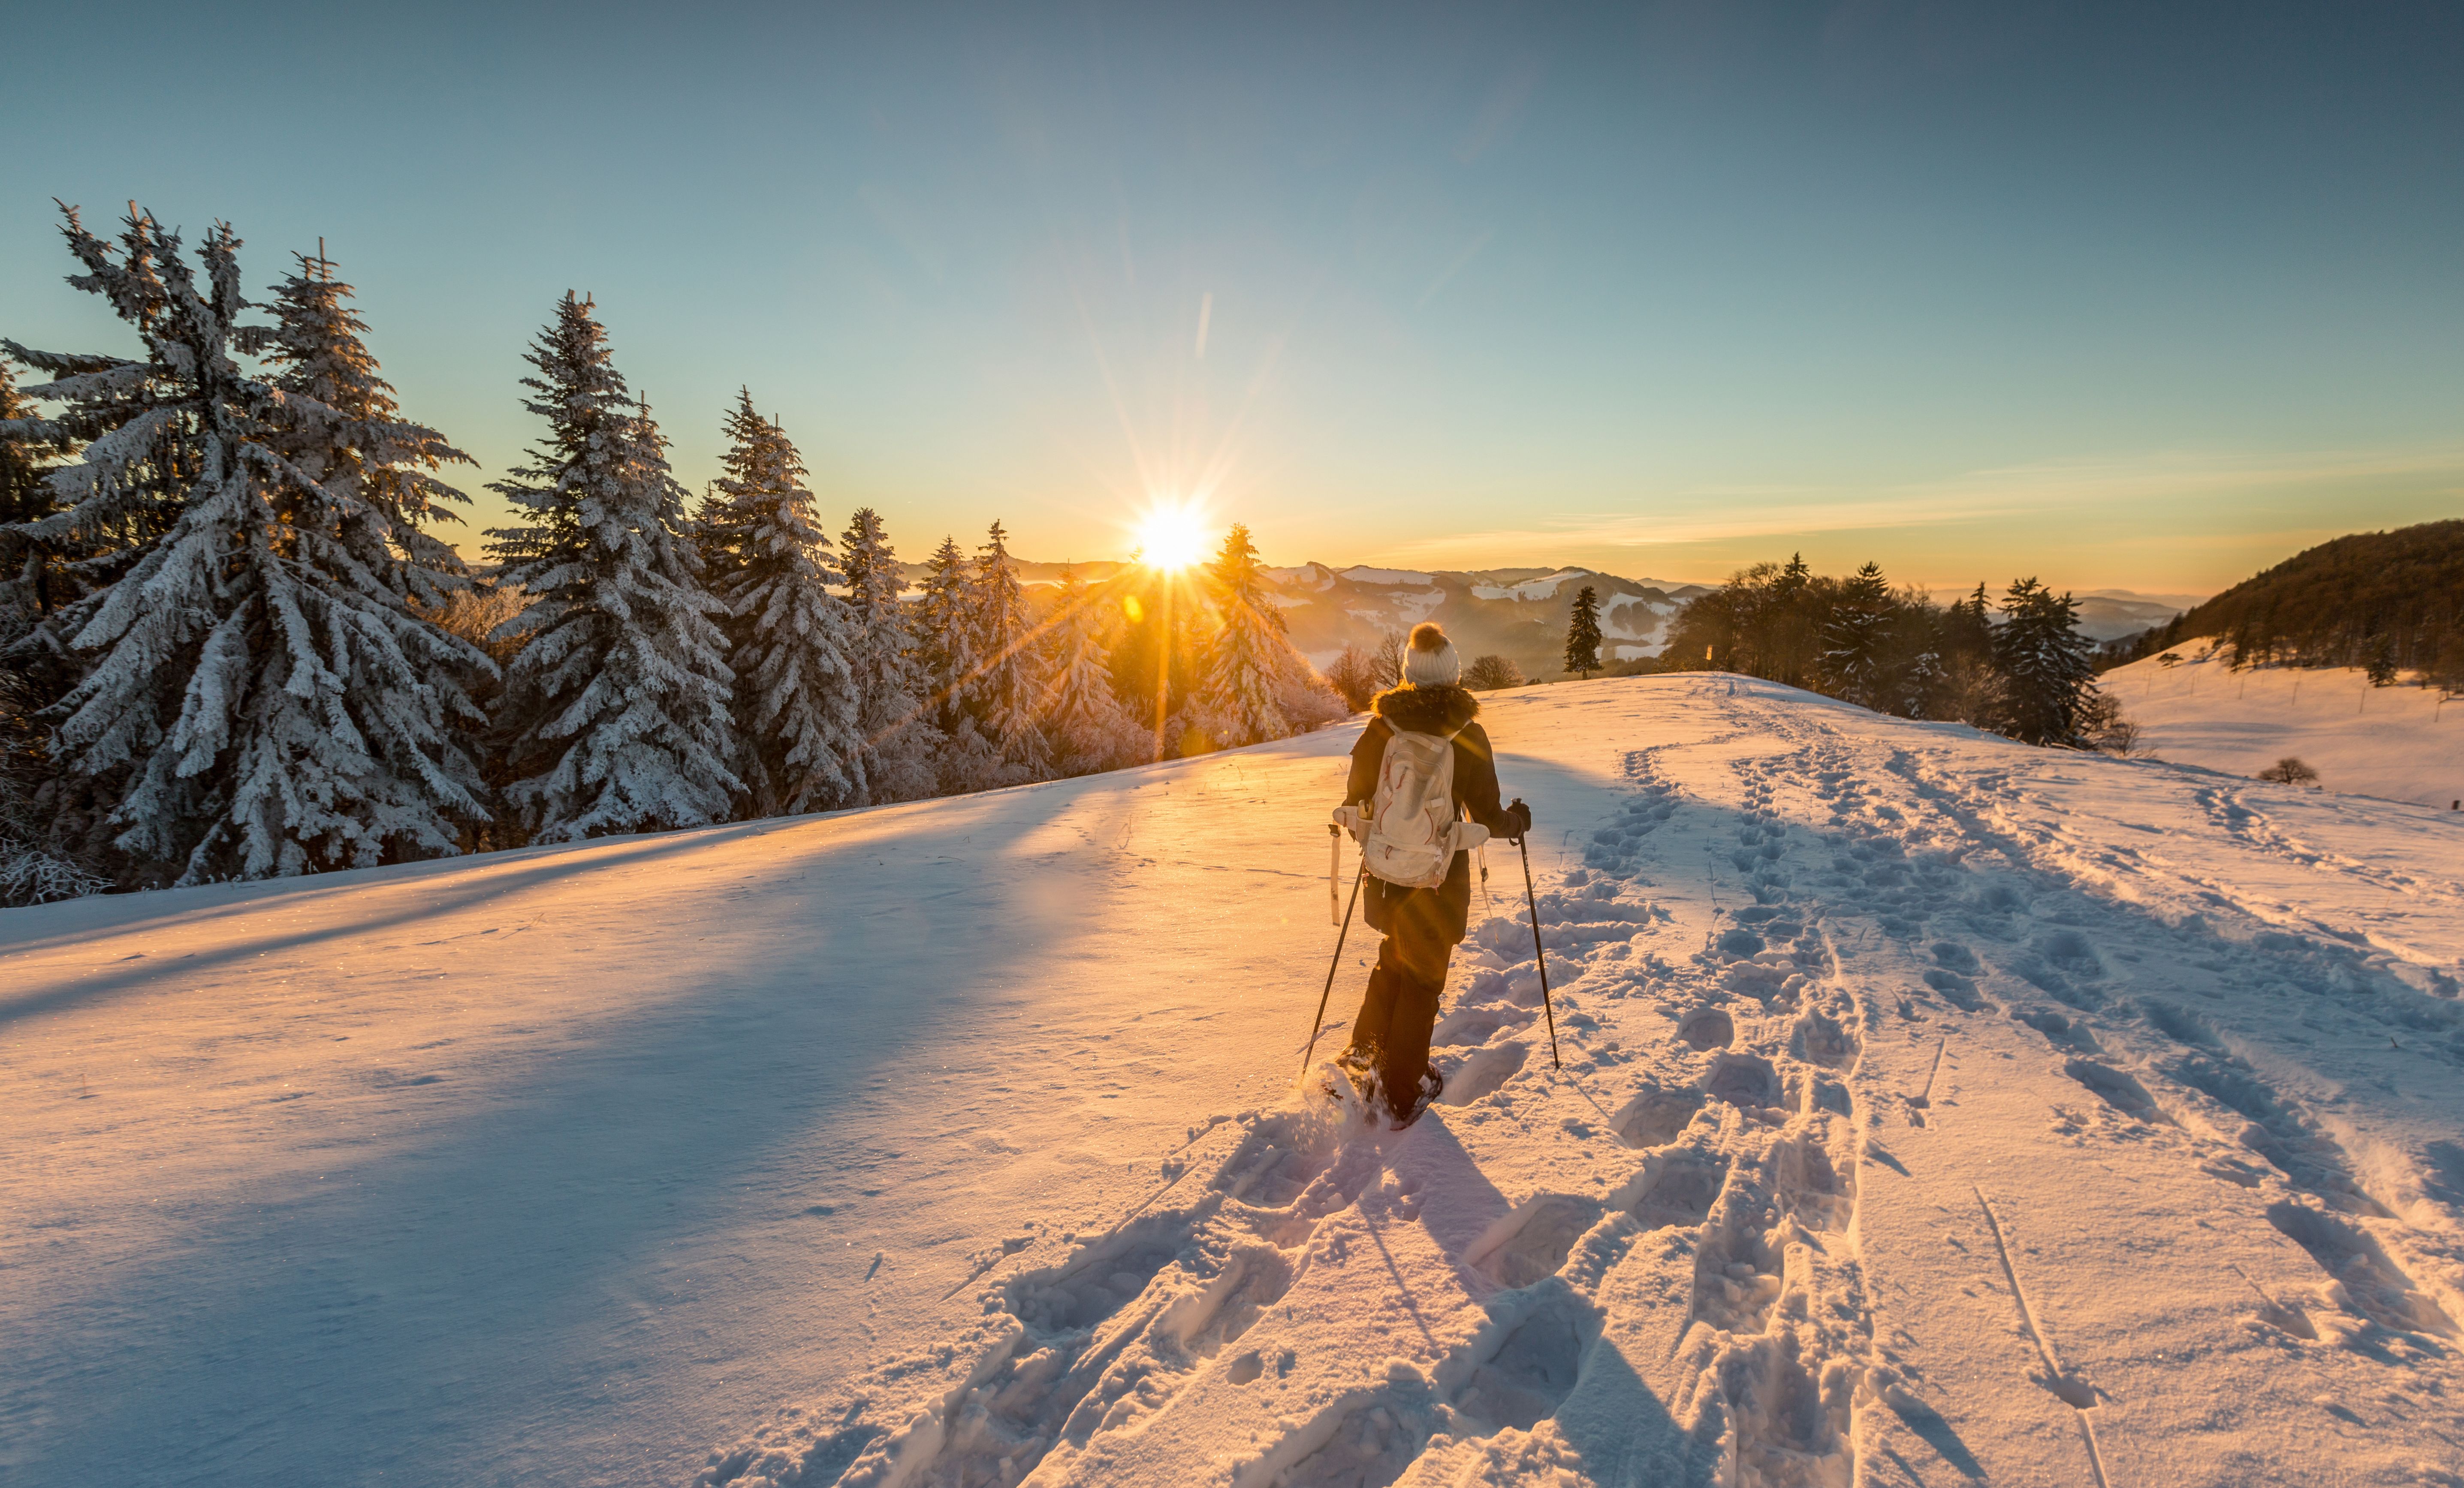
[1714, 1272]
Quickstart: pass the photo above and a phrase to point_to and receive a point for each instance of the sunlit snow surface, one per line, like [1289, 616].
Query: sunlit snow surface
[2406, 743]
[957, 1143]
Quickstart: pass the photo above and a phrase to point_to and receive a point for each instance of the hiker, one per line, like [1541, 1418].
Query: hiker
[1423, 918]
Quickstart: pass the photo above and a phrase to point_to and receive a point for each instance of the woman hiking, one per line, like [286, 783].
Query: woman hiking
[1421, 767]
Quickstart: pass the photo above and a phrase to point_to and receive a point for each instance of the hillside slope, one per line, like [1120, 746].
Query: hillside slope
[1935, 1110]
[2395, 593]
[2404, 743]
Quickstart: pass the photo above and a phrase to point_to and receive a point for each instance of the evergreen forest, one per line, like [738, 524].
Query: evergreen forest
[236, 643]
[2017, 665]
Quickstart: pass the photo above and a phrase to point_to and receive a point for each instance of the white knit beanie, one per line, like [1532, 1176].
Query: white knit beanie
[1437, 668]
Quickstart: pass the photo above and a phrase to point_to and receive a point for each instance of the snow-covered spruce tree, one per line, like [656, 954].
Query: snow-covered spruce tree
[945, 623]
[153, 467]
[1583, 633]
[1089, 726]
[258, 691]
[945, 630]
[1006, 691]
[1239, 699]
[614, 717]
[1856, 637]
[1920, 687]
[389, 465]
[789, 638]
[2047, 666]
[898, 737]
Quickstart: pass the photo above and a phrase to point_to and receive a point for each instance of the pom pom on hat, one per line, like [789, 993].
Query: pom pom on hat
[1431, 661]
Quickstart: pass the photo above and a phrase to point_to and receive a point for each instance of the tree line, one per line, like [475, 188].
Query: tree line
[2020, 667]
[232, 644]
[2386, 603]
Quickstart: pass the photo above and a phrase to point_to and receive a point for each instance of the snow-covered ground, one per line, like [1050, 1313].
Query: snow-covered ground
[1935, 1110]
[2400, 742]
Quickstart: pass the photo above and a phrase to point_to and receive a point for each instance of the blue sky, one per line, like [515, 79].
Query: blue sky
[2144, 296]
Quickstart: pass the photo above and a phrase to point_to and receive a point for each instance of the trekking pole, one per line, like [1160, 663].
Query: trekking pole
[1312, 1051]
[1532, 900]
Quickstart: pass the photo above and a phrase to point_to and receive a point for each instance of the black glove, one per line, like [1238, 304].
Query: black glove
[1518, 817]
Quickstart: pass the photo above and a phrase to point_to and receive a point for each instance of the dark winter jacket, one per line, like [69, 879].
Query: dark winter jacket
[1429, 711]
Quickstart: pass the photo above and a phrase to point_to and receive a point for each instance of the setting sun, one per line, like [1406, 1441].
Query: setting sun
[1172, 536]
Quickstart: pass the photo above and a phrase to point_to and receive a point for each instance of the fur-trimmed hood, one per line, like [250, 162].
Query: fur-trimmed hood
[1425, 710]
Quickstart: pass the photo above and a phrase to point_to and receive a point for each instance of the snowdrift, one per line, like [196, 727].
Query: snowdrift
[1933, 1109]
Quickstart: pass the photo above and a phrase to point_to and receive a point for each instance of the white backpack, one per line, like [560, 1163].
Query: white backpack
[1413, 832]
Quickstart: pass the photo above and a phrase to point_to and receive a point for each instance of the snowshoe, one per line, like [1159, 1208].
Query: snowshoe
[1357, 1072]
[1432, 1086]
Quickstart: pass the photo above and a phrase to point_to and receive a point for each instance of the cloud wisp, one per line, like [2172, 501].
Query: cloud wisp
[1711, 514]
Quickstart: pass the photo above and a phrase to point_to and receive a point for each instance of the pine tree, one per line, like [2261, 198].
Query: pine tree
[789, 639]
[615, 708]
[1970, 687]
[946, 632]
[898, 737]
[389, 465]
[151, 468]
[1922, 684]
[945, 623]
[1089, 726]
[1854, 639]
[1789, 645]
[1239, 700]
[258, 697]
[1967, 627]
[2379, 668]
[1583, 633]
[1009, 681]
[2047, 666]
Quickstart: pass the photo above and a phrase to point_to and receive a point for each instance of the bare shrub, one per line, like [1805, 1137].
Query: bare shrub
[2290, 771]
[1491, 672]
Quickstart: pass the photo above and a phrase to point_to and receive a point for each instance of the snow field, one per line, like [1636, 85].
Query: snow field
[553, 1167]
[1935, 1110]
[2397, 742]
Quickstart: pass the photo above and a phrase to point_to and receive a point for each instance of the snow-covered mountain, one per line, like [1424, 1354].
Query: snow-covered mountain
[2109, 617]
[1519, 613]
[1933, 1109]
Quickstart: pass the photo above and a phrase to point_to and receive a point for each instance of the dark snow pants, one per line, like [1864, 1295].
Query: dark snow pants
[1422, 928]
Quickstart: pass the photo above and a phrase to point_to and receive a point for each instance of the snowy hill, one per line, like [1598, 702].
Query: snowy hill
[2399, 742]
[1935, 1110]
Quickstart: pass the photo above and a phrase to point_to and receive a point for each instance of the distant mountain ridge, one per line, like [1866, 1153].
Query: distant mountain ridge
[1517, 613]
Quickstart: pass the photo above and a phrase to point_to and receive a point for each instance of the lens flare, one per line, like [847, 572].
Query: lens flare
[1171, 535]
